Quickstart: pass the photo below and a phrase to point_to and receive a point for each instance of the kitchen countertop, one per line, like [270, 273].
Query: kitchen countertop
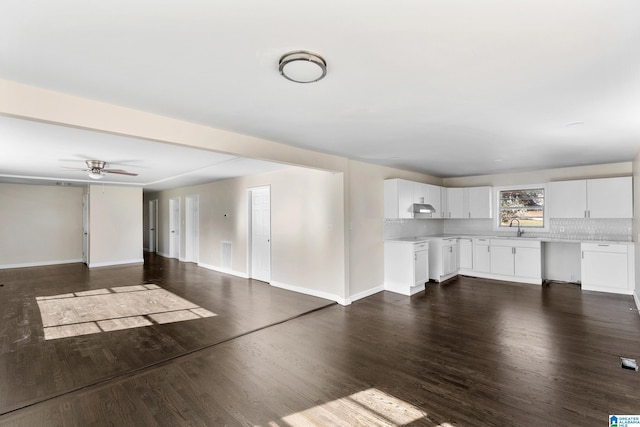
[419, 239]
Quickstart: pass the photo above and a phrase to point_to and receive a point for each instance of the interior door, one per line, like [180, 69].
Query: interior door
[261, 234]
[174, 227]
[191, 230]
[153, 224]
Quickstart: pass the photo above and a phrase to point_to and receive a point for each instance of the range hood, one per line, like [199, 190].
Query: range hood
[423, 208]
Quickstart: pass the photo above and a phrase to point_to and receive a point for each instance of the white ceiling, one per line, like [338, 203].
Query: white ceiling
[44, 153]
[445, 87]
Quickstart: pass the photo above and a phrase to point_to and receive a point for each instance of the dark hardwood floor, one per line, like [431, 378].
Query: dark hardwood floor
[468, 352]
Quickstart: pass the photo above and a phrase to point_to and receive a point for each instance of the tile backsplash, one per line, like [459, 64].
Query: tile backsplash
[398, 228]
[571, 229]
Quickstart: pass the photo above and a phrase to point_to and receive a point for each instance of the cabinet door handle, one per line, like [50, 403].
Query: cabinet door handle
[585, 214]
[488, 248]
[582, 254]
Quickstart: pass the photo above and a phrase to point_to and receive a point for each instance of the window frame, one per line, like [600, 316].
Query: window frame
[545, 210]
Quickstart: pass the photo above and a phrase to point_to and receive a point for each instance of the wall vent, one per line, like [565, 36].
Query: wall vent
[226, 250]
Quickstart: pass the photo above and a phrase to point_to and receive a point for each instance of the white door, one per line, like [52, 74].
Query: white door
[153, 224]
[191, 229]
[85, 229]
[174, 228]
[261, 234]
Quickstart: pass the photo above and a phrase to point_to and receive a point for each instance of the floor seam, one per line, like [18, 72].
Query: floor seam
[143, 369]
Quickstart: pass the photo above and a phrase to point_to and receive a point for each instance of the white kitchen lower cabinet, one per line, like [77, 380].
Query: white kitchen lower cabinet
[527, 262]
[481, 255]
[406, 266]
[443, 258]
[502, 259]
[608, 267]
[518, 260]
[465, 255]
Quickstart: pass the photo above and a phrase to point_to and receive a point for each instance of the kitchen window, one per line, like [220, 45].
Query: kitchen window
[522, 204]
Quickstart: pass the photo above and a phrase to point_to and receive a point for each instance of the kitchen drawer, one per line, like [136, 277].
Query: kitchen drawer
[422, 246]
[605, 247]
[516, 243]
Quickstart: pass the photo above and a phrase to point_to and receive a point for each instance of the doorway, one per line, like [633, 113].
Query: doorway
[260, 233]
[174, 227]
[191, 229]
[153, 225]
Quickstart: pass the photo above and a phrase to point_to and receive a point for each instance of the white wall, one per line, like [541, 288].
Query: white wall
[115, 225]
[636, 224]
[307, 233]
[40, 225]
[366, 223]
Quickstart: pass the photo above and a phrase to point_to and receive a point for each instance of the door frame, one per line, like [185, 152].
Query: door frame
[250, 191]
[174, 201]
[153, 213]
[192, 228]
[85, 228]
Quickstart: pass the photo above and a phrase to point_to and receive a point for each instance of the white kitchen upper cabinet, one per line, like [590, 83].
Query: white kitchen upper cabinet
[567, 199]
[591, 198]
[610, 198]
[479, 202]
[445, 204]
[455, 203]
[435, 199]
[420, 192]
[398, 198]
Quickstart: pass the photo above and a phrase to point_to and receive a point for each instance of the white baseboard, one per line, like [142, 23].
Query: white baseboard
[223, 270]
[162, 254]
[120, 262]
[40, 263]
[312, 292]
[366, 293]
[637, 300]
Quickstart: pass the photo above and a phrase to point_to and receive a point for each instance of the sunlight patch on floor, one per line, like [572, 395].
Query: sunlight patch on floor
[370, 407]
[112, 309]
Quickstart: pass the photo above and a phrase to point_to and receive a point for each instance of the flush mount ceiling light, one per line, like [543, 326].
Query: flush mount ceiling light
[301, 66]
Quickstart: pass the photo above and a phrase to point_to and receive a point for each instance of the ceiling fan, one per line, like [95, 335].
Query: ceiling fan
[96, 169]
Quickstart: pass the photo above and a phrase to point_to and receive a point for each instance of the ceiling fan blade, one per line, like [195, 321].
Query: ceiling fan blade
[119, 172]
[75, 169]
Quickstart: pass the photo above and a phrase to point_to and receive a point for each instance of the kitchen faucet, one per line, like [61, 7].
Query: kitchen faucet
[520, 232]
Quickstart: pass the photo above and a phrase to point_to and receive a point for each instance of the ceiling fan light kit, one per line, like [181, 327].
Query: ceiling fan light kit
[95, 174]
[302, 66]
